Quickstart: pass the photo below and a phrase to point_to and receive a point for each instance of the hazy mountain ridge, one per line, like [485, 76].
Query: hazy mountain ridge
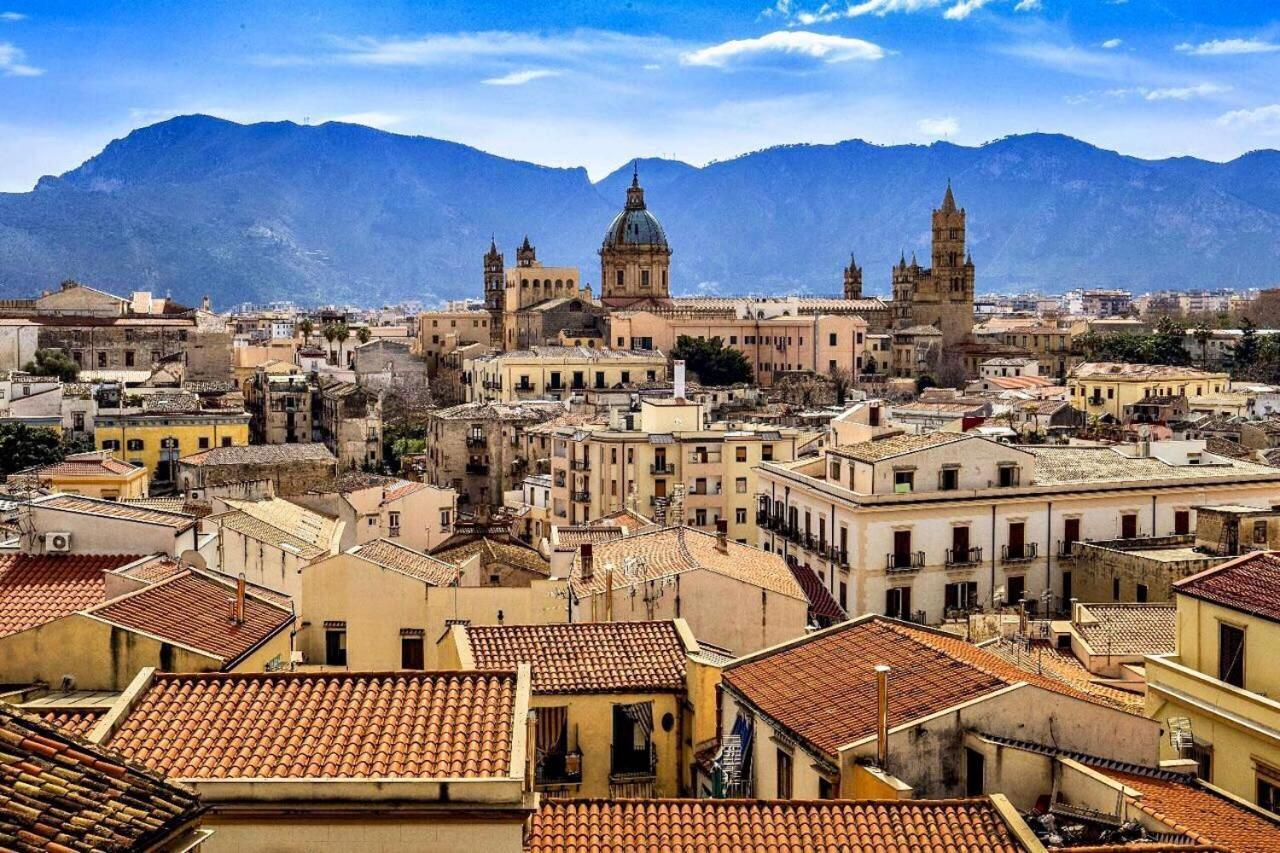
[336, 212]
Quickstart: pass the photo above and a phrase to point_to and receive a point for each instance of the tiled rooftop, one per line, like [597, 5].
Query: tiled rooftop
[59, 794]
[190, 609]
[74, 723]
[495, 550]
[1250, 584]
[262, 454]
[116, 509]
[823, 687]
[628, 518]
[323, 725]
[670, 551]
[1129, 629]
[400, 558]
[93, 464]
[1126, 370]
[779, 826]
[279, 522]
[887, 448]
[821, 603]
[586, 657]
[35, 589]
[1044, 659]
[1207, 817]
[573, 535]
[1060, 465]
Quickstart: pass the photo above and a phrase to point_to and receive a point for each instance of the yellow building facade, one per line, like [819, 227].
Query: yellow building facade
[1100, 388]
[157, 442]
[1216, 694]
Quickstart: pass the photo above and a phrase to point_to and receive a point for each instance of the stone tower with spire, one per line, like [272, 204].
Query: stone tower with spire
[635, 259]
[941, 296]
[852, 279]
[494, 291]
[525, 255]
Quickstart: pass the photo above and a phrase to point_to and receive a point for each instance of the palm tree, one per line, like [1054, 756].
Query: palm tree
[306, 327]
[330, 334]
[1203, 336]
[363, 334]
[342, 332]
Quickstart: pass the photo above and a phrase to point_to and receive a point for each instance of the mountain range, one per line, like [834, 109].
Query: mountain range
[344, 213]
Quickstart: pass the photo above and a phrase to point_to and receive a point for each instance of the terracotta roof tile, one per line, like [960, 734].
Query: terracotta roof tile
[495, 550]
[781, 826]
[58, 793]
[405, 560]
[262, 454]
[323, 725]
[670, 551]
[823, 687]
[1206, 816]
[1129, 629]
[1250, 584]
[190, 609]
[886, 448]
[96, 464]
[821, 603]
[1046, 660]
[586, 657]
[115, 509]
[150, 571]
[75, 723]
[35, 589]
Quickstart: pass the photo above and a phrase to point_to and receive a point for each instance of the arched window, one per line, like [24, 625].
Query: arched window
[619, 278]
[524, 282]
[569, 282]
[559, 284]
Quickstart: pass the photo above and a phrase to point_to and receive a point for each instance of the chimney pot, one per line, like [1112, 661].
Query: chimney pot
[588, 561]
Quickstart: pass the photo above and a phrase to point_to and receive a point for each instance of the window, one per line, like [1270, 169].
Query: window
[903, 481]
[135, 444]
[740, 485]
[949, 478]
[626, 377]
[1017, 589]
[128, 358]
[555, 380]
[1260, 532]
[1182, 522]
[203, 442]
[393, 523]
[844, 595]
[226, 441]
[740, 454]
[766, 453]
[740, 515]
[110, 444]
[618, 278]
[975, 766]
[1141, 594]
[961, 596]
[1129, 525]
[897, 602]
[335, 647]
[733, 340]
[1009, 475]
[644, 278]
[700, 517]
[632, 728]
[832, 338]
[102, 359]
[411, 652]
[783, 791]
[826, 790]
[1268, 788]
[1115, 589]
[1231, 654]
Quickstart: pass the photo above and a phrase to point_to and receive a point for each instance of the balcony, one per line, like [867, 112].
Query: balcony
[705, 458]
[906, 561]
[478, 468]
[762, 518]
[560, 770]
[1095, 401]
[633, 773]
[476, 441]
[707, 489]
[963, 556]
[1066, 549]
[581, 497]
[662, 468]
[580, 464]
[1023, 554]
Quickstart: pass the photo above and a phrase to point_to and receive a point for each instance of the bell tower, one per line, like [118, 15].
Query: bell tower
[949, 259]
[852, 279]
[494, 292]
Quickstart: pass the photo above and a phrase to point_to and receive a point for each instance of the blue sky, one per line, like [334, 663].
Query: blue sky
[595, 82]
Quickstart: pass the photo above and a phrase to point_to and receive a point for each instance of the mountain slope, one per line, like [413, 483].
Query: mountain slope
[338, 212]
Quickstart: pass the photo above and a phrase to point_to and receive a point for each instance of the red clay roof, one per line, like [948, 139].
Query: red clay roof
[781, 826]
[1250, 584]
[35, 589]
[75, 723]
[323, 725]
[190, 609]
[586, 657]
[821, 602]
[823, 687]
[60, 794]
[85, 465]
[1199, 812]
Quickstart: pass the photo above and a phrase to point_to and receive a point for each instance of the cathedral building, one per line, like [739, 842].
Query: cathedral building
[942, 295]
[635, 259]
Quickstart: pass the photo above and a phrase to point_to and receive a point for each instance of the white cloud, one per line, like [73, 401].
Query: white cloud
[1112, 44]
[13, 62]
[1184, 93]
[1261, 117]
[957, 10]
[1029, 6]
[371, 119]
[942, 127]
[963, 9]
[12, 17]
[1228, 47]
[791, 43]
[884, 7]
[519, 78]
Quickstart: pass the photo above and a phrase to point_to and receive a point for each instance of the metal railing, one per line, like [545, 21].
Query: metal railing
[581, 497]
[1027, 552]
[580, 464]
[477, 468]
[964, 556]
[662, 468]
[907, 561]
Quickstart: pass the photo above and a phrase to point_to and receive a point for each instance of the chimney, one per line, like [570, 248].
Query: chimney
[678, 390]
[588, 561]
[882, 716]
[530, 751]
[240, 599]
[722, 535]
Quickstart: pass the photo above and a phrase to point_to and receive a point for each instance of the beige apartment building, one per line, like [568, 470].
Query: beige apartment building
[440, 332]
[774, 344]
[923, 526]
[556, 372]
[1101, 388]
[667, 461]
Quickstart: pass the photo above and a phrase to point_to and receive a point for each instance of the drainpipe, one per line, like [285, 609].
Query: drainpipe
[882, 717]
[1048, 563]
[993, 555]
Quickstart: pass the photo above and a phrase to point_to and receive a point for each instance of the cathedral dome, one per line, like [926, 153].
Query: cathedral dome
[635, 226]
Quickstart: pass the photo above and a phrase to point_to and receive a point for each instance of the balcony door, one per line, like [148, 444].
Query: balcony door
[901, 549]
[1017, 538]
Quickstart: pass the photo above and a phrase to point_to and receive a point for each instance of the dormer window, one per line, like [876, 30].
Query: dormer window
[904, 481]
[1010, 475]
[949, 478]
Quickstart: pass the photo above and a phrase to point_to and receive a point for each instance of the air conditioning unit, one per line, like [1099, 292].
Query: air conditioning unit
[57, 542]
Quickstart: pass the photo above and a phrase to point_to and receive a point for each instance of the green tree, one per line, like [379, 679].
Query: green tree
[840, 382]
[363, 334]
[53, 362]
[1165, 344]
[1246, 351]
[331, 334]
[711, 361]
[23, 446]
[1203, 336]
[342, 333]
[306, 327]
